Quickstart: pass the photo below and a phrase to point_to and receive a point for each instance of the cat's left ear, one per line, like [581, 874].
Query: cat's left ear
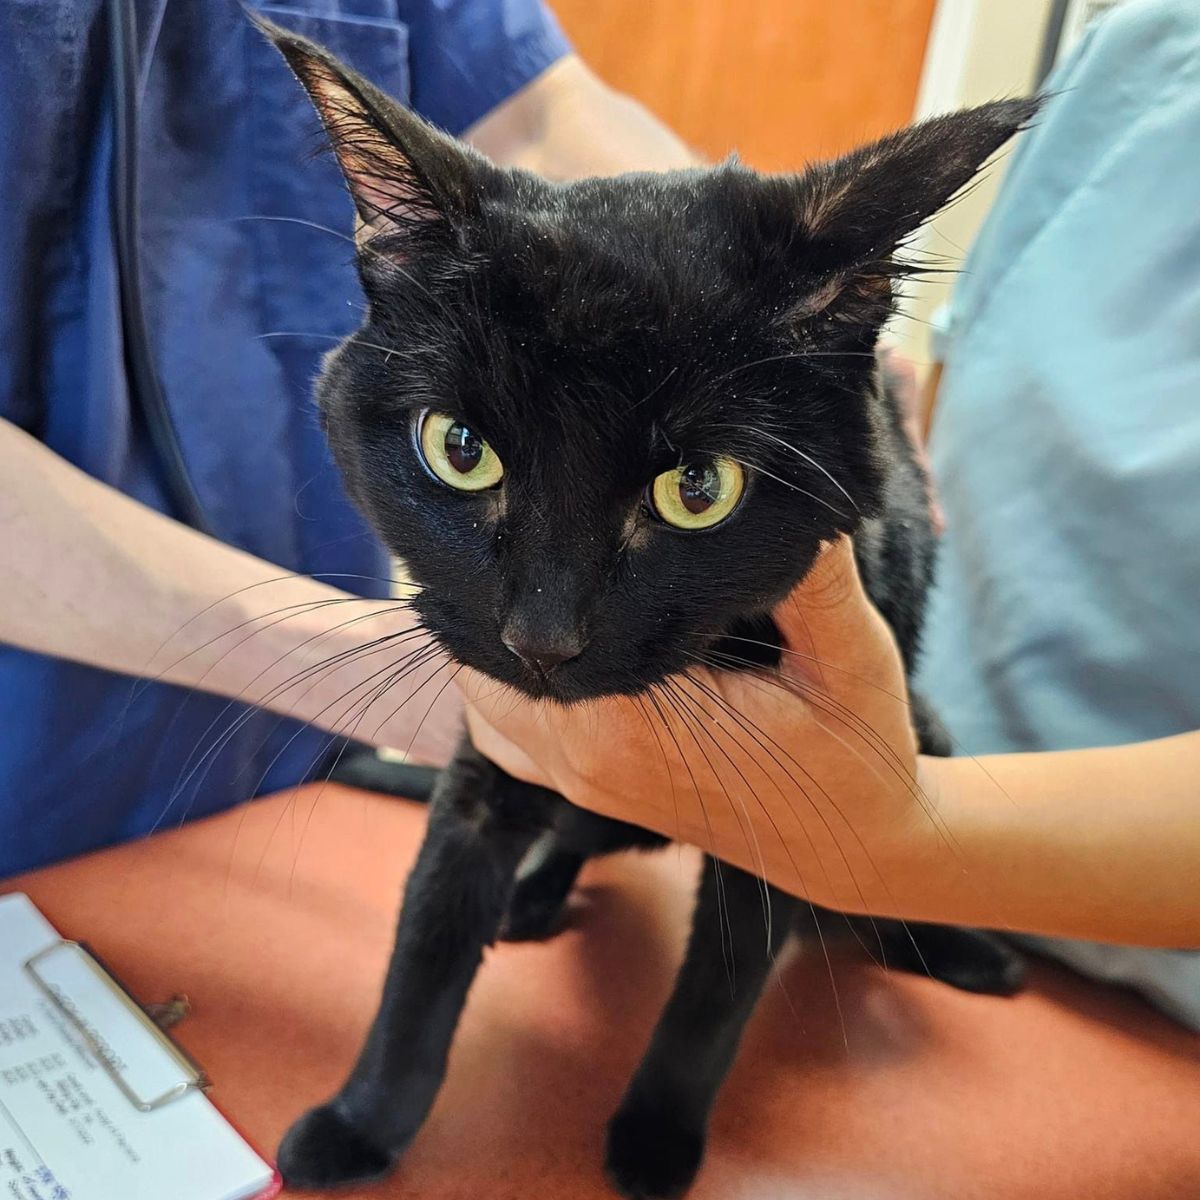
[855, 212]
[403, 174]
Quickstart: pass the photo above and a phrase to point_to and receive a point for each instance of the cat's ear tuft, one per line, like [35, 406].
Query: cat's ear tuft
[403, 174]
[855, 212]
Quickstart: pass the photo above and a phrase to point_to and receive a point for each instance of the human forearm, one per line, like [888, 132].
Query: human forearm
[568, 124]
[1100, 844]
[94, 576]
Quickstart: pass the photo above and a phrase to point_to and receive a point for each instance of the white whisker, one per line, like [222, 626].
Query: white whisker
[808, 459]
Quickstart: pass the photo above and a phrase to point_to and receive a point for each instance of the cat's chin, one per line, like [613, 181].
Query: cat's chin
[565, 692]
[565, 689]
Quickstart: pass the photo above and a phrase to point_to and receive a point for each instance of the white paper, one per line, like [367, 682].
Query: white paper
[67, 1132]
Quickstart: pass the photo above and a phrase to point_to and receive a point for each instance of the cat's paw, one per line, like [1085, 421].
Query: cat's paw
[324, 1150]
[653, 1153]
[1001, 974]
[972, 960]
[980, 963]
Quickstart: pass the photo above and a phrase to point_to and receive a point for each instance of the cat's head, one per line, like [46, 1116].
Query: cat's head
[601, 419]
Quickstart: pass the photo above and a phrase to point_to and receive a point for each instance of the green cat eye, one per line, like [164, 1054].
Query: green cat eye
[698, 495]
[457, 455]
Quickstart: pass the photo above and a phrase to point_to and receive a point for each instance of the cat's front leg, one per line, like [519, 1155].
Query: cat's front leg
[481, 823]
[656, 1139]
[549, 871]
[539, 897]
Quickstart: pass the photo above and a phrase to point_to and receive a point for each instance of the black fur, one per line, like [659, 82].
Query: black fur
[596, 334]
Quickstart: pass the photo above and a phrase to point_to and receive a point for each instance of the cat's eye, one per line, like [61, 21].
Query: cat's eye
[457, 455]
[698, 495]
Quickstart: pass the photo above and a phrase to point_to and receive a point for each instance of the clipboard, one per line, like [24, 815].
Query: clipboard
[191, 1075]
[98, 1099]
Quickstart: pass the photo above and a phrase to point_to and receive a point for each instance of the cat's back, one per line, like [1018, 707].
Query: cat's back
[896, 549]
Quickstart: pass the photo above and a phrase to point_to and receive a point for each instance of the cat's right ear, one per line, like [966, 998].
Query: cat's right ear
[850, 218]
[404, 175]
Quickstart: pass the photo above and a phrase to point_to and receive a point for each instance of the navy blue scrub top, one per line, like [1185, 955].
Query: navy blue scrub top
[226, 135]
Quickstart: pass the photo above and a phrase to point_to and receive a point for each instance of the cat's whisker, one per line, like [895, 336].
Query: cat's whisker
[768, 911]
[833, 988]
[882, 960]
[808, 458]
[649, 698]
[316, 334]
[657, 387]
[314, 671]
[724, 923]
[816, 921]
[807, 690]
[288, 577]
[750, 727]
[499, 689]
[746, 664]
[392, 674]
[761, 470]
[924, 802]
[790, 356]
[149, 677]
[368, 648]
[371, 700]
[820, 699]
[363, 247]
[836, 808]
[761, 879]
[412, 695]
[305, 608]
[433, 703]
[206, 762]
[346, 718]
[747, 829]
[312, 640]
[787, 850]
[731, 637]
[639, 704]
[758, 735]
[337, 233]
[187, 775]
[387, 351]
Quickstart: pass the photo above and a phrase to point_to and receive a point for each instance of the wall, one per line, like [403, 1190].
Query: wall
[780, 81]
[979, 50]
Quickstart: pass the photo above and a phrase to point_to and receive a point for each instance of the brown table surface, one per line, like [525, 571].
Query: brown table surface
[276, 920]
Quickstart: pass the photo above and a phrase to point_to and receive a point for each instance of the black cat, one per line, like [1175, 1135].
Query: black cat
[599, 421]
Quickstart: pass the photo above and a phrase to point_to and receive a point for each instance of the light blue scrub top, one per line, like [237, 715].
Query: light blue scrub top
[1067, 438]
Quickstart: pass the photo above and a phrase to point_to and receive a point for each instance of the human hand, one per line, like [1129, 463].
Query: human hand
[804, 775]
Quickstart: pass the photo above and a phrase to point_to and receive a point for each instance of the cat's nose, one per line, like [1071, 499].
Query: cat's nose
[544, 652]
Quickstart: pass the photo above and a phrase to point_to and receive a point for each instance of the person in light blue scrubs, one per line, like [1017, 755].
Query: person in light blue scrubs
[1066, 440]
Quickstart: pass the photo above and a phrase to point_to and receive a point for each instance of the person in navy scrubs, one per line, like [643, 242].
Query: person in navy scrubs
[246, 279]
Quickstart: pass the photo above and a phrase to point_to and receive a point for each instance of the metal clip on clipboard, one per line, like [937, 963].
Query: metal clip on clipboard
[192, 1077]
